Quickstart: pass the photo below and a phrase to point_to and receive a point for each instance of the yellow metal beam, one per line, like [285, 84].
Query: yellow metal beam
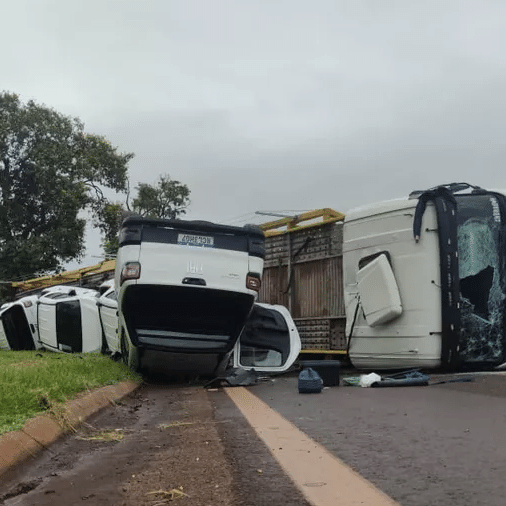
[65, 277]
[296, 223]
[323, 352]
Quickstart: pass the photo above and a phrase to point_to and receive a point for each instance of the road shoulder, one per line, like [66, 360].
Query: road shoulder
[40, 432]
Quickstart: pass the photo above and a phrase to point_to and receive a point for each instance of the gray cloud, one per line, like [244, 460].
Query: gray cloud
[274, 105]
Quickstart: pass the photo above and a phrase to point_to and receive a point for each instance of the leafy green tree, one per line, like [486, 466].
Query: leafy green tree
[108, 220]
[165, 199]
[50, 170]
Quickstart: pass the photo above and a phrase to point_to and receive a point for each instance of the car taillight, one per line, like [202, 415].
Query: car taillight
[131, 270]
[253, 282]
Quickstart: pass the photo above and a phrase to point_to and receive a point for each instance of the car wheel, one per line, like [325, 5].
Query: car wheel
[129, 353]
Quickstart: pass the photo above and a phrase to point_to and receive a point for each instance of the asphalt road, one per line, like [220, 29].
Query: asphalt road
[436, 445]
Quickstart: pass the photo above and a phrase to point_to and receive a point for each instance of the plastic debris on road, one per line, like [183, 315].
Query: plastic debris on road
[366, 380]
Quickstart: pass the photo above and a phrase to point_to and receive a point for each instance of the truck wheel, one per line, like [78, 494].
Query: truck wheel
[129, 353]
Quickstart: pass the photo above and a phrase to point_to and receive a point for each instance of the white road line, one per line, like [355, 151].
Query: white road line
[320, 476]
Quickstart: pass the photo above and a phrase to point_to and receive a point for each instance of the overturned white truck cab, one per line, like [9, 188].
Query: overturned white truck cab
[425, 280]
[185, 288]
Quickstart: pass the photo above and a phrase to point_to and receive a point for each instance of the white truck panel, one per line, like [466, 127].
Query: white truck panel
[413, 338]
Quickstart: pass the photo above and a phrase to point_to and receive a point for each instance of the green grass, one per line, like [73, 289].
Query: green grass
[33, 381]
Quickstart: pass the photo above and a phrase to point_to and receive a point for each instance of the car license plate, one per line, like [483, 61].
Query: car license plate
[199, 241]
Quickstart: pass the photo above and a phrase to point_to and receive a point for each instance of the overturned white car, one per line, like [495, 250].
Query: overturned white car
[68, 320]
[60, 318]
[186, 290]
[269, 342]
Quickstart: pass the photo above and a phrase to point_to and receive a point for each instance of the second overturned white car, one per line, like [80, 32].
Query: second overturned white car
[68, 320]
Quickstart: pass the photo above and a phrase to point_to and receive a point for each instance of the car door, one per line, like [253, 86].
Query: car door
[108, 307]
[46, 322]
[269, 342]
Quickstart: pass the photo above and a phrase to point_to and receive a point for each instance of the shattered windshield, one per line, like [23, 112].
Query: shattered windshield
[480, 267]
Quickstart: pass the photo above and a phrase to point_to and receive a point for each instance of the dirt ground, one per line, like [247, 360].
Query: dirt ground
[158, 445]
[164, 443]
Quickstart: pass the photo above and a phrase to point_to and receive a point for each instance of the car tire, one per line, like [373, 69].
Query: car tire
[129, 352]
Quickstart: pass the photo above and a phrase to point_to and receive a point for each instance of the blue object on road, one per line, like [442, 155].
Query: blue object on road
[310, 382]
[327, 369]
[412, 378]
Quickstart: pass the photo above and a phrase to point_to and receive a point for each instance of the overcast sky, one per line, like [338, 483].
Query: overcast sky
[271, 104]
